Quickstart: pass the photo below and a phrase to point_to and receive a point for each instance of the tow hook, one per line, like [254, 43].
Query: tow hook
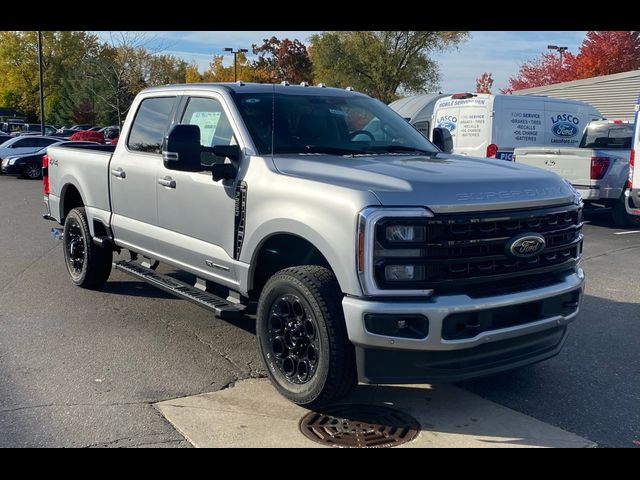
[57, 233]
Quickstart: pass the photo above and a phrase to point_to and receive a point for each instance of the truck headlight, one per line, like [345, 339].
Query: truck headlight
[406, 233]
[392, 246]
[404, 273]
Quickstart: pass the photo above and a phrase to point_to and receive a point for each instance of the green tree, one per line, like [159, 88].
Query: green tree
[217, 72]
[380, 63]
[62, 53]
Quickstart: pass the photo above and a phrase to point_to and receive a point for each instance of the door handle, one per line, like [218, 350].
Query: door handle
[118, 172]
[167, 182]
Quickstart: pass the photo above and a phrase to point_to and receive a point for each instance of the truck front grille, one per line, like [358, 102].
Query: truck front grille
[465, 249]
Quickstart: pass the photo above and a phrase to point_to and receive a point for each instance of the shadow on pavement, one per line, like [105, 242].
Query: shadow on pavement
[592, 387]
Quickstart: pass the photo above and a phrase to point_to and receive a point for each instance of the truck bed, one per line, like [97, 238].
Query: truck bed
[89, 166]
[575, 165]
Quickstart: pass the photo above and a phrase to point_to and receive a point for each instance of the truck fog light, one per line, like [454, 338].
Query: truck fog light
[406, 233]
[395, 325]
[404, 273]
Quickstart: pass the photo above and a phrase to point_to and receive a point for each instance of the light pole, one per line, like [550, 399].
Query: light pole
[40, 81]
[235, 63]
[560, 50]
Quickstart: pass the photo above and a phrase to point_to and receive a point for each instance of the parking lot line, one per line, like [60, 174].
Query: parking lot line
[627, 233]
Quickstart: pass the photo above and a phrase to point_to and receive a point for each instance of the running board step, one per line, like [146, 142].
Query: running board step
[221, 307]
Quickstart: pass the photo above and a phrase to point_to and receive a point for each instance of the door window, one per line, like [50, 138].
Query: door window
[150, 125]
[215, 129]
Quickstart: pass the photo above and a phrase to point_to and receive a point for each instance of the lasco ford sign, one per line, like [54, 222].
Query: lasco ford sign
[565, 126]
[447, 121]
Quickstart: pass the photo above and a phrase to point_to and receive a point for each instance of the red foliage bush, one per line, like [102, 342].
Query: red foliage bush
[87, 136]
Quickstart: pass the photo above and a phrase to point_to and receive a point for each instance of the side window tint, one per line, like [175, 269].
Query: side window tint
[215, 128]
[44, 142]
[150, 125]
[23, 143]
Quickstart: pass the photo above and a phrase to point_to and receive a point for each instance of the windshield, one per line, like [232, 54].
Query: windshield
[332, 124]
[608, 135]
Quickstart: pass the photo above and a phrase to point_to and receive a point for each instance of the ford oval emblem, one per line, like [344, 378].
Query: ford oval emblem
[448, 125]
[525, 245]
[564, 129]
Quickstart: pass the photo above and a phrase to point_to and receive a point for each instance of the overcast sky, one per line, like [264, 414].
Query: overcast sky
[500, 53]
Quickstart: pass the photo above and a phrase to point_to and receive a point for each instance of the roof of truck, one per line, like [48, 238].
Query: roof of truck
[242, 87]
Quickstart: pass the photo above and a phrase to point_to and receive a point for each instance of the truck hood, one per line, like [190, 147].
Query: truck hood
[444, 183]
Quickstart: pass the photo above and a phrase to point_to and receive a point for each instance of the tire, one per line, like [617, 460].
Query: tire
[621, 218]
[89, 265]
[311, 365]
[32, 171]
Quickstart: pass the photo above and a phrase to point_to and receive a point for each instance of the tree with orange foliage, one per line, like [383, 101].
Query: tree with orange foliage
[547, 69]
[484, 83]
[601, 53]
[280, 60]
[607, 52]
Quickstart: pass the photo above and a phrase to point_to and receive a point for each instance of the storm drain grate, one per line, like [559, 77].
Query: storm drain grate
[359, 426]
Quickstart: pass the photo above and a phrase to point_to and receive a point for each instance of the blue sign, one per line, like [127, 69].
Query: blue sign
[565, 125]
[505, 156]
[448, 122]
[564, 129]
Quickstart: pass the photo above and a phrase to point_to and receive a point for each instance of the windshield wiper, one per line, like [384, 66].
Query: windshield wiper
[399, 149]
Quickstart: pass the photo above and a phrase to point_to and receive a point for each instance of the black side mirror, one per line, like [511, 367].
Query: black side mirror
[232, 152]
[442, 139]
[182, 148]
[220, 171]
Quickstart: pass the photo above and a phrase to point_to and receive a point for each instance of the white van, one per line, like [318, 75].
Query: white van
[485, 125]
[418, 110]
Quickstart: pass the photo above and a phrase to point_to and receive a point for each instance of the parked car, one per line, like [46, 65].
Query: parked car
[65, 132]
[492, 126]
[4, 137]
[598, 168]
[35, 129]
[29, 165]
[110, 132]
[384, 259]
[82, 126]
[27, 144]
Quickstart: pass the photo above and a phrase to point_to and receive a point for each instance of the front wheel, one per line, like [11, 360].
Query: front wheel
[302, 336]
[89, 265]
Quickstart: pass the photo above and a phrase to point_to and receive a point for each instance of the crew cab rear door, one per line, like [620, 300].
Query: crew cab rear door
[133, 174]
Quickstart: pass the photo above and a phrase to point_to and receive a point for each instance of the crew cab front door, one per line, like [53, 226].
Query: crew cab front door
[196, 213]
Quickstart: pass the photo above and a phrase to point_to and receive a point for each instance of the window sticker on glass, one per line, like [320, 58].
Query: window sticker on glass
[208, 122]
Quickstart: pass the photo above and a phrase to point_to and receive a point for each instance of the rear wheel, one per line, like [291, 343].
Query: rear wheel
[302, 336]
[621, 218]
[89, 265]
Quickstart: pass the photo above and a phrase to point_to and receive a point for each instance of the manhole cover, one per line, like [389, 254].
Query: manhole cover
[359, 426]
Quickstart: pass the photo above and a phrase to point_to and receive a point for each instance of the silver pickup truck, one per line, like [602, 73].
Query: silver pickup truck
[366, 251]
[598, 168]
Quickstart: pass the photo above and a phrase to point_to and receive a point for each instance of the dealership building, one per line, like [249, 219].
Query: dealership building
[614, 95]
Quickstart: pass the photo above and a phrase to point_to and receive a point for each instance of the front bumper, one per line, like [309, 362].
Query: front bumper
[11, 169]
[387, 359]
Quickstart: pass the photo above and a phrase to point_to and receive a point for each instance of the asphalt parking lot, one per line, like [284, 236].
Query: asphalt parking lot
[81, 368]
